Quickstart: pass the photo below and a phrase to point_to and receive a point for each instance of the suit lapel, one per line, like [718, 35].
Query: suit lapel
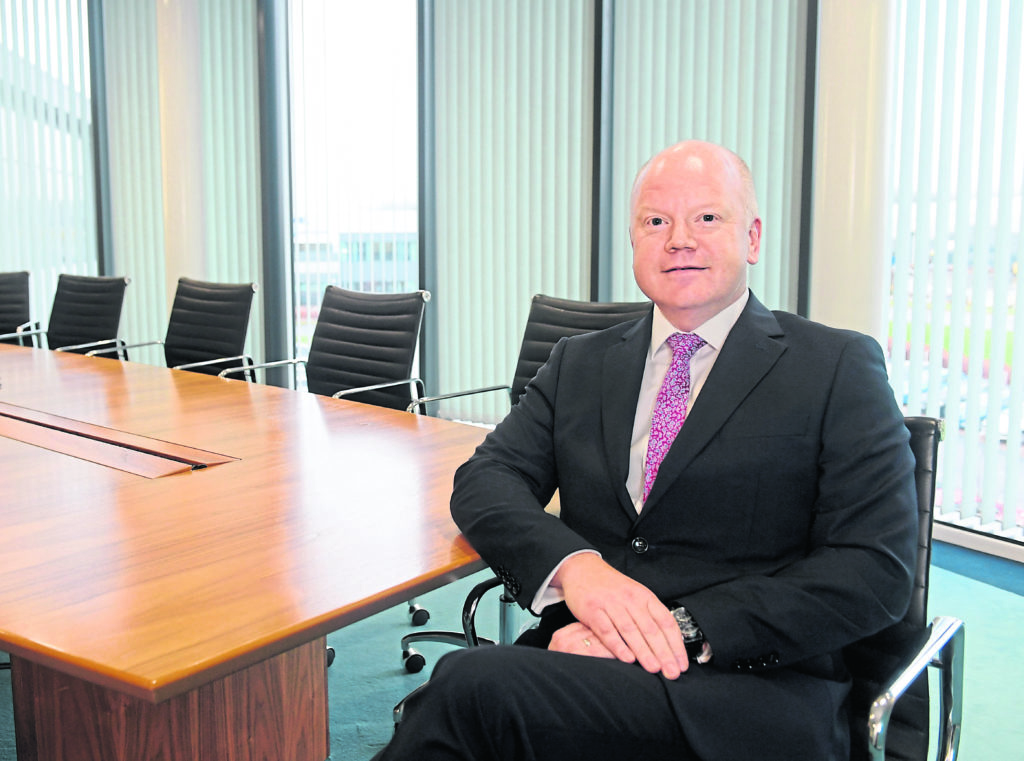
[621, 376]
[750, 351]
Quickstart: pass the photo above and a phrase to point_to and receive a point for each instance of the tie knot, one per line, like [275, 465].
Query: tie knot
[685, 344]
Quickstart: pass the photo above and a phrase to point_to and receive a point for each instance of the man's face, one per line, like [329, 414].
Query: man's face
[692, 234]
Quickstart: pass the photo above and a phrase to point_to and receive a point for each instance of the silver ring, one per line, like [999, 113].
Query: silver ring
[586, 642]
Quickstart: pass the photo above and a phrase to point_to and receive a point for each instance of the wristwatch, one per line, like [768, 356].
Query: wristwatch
[697, 648]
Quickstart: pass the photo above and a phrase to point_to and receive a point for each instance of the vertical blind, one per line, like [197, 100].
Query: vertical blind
[955, 227]
[231, 161]
[732, 72]
[513, 111]
[47, 193]
[229, 155]
[136, 194]
[514, 114]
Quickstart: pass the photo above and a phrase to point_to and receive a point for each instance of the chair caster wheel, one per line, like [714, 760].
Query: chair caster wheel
[413, 661]
[330, 656]
[418, 615]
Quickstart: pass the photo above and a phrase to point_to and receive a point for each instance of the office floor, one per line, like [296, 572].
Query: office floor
[367, 677]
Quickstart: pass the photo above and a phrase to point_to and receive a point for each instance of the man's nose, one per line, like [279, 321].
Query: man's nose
[681, 237]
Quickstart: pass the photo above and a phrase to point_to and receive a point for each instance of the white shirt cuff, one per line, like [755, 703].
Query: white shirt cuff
[548, 595]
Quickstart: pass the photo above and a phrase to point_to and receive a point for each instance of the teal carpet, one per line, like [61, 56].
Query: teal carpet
[367, 678]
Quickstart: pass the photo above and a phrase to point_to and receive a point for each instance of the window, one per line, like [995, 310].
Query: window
[955, 230]
[353, 91]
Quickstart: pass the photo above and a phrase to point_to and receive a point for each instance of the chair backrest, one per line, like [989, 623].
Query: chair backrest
[551, 319]
[362, 339]
[208, 321]
[85, 309]
[13, 304]
[872, 661]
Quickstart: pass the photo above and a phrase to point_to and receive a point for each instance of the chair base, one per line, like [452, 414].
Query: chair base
[414, 661]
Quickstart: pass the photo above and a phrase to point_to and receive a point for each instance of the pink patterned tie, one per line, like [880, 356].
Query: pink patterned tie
[670, 409]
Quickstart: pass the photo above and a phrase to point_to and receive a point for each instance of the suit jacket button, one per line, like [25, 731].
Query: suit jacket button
[639, 545]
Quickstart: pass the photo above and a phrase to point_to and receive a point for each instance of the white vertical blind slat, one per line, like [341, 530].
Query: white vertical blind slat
[956, 450]
[980, 316]
[944, 206]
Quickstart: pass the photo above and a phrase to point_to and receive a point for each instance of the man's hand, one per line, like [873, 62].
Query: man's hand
[619, 614]
[576, 638]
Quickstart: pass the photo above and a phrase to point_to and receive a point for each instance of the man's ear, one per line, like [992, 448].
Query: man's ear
[754, 238]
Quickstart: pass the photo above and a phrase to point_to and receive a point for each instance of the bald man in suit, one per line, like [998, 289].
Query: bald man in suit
[696, 607]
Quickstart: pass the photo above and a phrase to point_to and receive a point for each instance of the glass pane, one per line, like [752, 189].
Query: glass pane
[955, 230]
[353, 90]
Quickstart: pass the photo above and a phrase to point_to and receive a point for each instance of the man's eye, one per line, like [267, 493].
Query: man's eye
[707, 218]
[657, 221]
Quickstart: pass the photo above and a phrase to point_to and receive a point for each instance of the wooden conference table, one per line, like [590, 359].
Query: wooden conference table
[158, 610]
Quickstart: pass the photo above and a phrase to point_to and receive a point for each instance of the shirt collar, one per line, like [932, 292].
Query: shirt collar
[713, 331]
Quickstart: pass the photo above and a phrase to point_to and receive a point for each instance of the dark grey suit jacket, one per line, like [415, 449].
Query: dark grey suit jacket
[783, 517]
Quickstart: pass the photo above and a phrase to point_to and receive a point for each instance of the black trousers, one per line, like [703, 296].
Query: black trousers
[526, 704]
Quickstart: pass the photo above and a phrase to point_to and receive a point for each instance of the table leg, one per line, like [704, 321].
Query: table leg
[273, 710]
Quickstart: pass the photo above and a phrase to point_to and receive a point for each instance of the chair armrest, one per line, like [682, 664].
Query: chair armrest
[473, 599]
[258, 366]
[943, 649]
[422, 401]
[24, 331]
[125, 347]
[118, 346]
[390, 384]
[243, 357]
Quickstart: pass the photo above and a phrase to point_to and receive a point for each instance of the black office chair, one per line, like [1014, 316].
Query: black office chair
[14, 308]
[889, 703]
[363, 347]
[549, 320]
[207, 327]
[85, 315]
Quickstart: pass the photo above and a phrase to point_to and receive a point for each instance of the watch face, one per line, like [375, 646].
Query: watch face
[690, 631]
[697, 648]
